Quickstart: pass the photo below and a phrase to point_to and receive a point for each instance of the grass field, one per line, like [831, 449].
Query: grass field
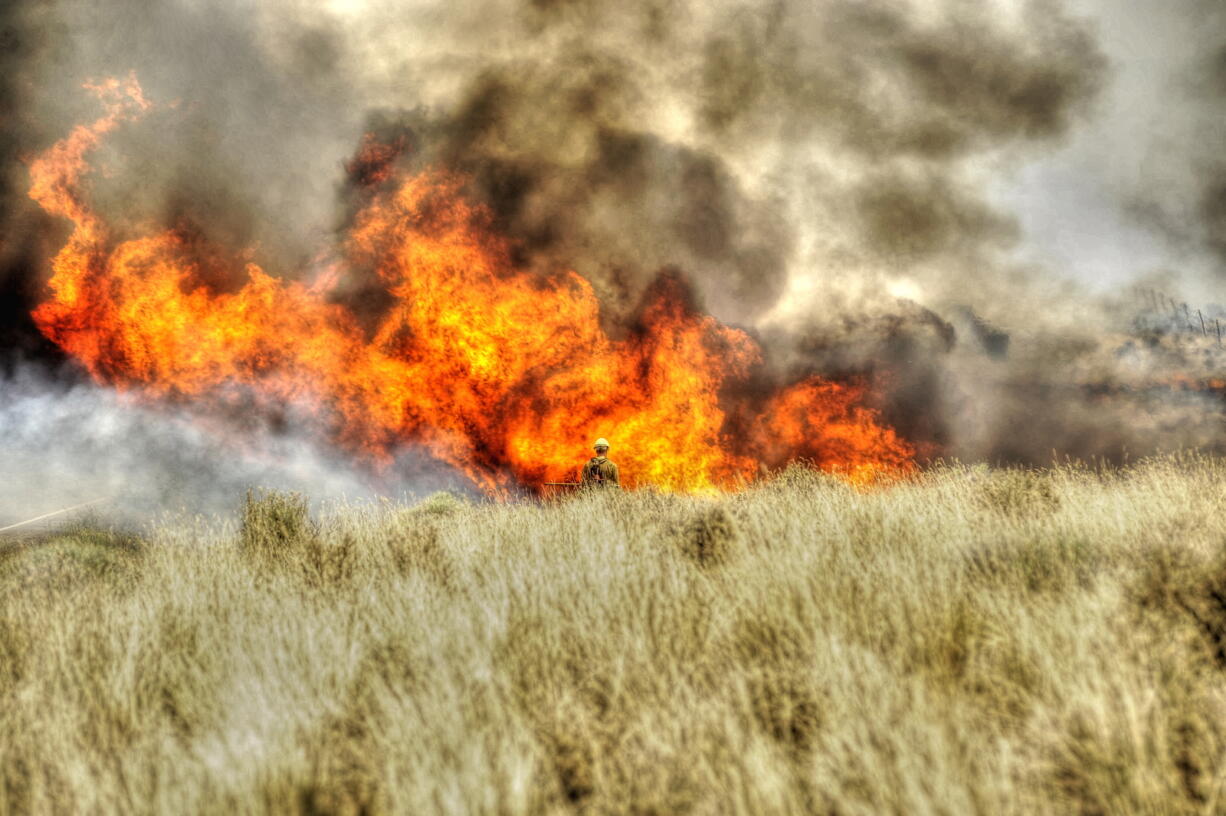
[974, 641]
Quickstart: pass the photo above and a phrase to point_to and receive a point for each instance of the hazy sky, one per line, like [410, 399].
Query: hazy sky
[1084, 206]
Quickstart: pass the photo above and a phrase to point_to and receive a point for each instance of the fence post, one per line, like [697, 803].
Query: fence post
[1202, 322]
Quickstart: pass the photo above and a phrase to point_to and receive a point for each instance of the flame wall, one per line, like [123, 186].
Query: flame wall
[502, 372]
[834, 176]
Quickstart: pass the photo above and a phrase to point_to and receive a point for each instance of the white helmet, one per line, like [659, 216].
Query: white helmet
[601, 443]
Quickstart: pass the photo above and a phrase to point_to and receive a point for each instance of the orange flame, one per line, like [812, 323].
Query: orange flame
[500, 372]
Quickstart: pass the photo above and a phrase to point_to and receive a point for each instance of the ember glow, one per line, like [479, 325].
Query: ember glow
[498, 371]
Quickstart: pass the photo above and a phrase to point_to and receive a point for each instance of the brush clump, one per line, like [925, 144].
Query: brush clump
[708, 536]
[83, 553]
[1018, 492]
[1052, 643]
[275, 525]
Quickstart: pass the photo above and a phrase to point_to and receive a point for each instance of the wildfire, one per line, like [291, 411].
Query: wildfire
[496, 370]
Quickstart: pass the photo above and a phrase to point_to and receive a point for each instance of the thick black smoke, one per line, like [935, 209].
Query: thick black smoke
[722, 138]
[24, 235]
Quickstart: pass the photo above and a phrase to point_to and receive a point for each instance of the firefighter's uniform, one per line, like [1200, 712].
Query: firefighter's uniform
[599, 470]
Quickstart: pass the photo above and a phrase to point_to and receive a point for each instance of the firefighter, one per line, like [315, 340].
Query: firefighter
[599, 471]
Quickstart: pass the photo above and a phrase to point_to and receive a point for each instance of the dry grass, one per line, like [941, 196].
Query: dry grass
[977, 641]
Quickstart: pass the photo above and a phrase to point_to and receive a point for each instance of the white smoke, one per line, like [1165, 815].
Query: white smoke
[68, 445]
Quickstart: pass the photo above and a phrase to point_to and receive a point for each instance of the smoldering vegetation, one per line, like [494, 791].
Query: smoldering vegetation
[975, 640]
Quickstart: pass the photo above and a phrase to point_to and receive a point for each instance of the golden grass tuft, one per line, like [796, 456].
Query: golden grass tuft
[708, 536]
[969, 641]
[275, 525]
[1019, 492]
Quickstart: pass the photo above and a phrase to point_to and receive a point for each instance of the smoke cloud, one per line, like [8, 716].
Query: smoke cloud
[67, 445]
[826, 174]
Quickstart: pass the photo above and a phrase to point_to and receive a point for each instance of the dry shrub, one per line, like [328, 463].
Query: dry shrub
[344, 775]
[709, 536]
[787, 706]
[329, 561]
[1006, 679]
[799, 480]
[777, 653]
[1048, 563]
[16, 642]
[413, 538]
[1160, 757]
[1159, 744]
[947, 635]
[767, 637]
[439, 505]
[275, 525]
[1015, 492]
[82, 554]
[1167, 577]
[416, 547]
[173, 684]
[389, 664]
[573, 754]
[1175, 582]
[1196, 751]
[16, 780]
[277, 532]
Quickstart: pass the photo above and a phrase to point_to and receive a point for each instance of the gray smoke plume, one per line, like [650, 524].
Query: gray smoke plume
[68, 445]
[846, 179]
[725, 138]
[1186, 189]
